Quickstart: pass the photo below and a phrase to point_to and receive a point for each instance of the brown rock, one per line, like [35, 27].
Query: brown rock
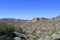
[35, 19]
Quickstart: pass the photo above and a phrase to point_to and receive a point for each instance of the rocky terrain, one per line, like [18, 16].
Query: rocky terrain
[38, 28]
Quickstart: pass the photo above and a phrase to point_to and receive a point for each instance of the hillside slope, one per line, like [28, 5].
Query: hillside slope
[38, 28]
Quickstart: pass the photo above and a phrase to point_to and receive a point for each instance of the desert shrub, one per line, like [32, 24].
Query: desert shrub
[18, 29]
[6, 28]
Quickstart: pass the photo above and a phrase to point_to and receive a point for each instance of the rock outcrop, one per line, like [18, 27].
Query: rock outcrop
[37, 19]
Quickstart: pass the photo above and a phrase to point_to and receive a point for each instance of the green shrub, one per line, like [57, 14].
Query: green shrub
[6, 28]
[18, 29]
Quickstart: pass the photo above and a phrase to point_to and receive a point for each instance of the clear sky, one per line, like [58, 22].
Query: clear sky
[28, 9]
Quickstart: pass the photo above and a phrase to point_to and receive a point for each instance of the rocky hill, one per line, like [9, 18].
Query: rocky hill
[38, 28]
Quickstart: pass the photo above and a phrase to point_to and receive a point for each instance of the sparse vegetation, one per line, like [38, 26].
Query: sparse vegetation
[7, 30]
[18, 29]
[42, 29]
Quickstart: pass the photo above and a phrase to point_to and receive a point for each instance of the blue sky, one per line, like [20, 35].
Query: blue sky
[28, 9]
